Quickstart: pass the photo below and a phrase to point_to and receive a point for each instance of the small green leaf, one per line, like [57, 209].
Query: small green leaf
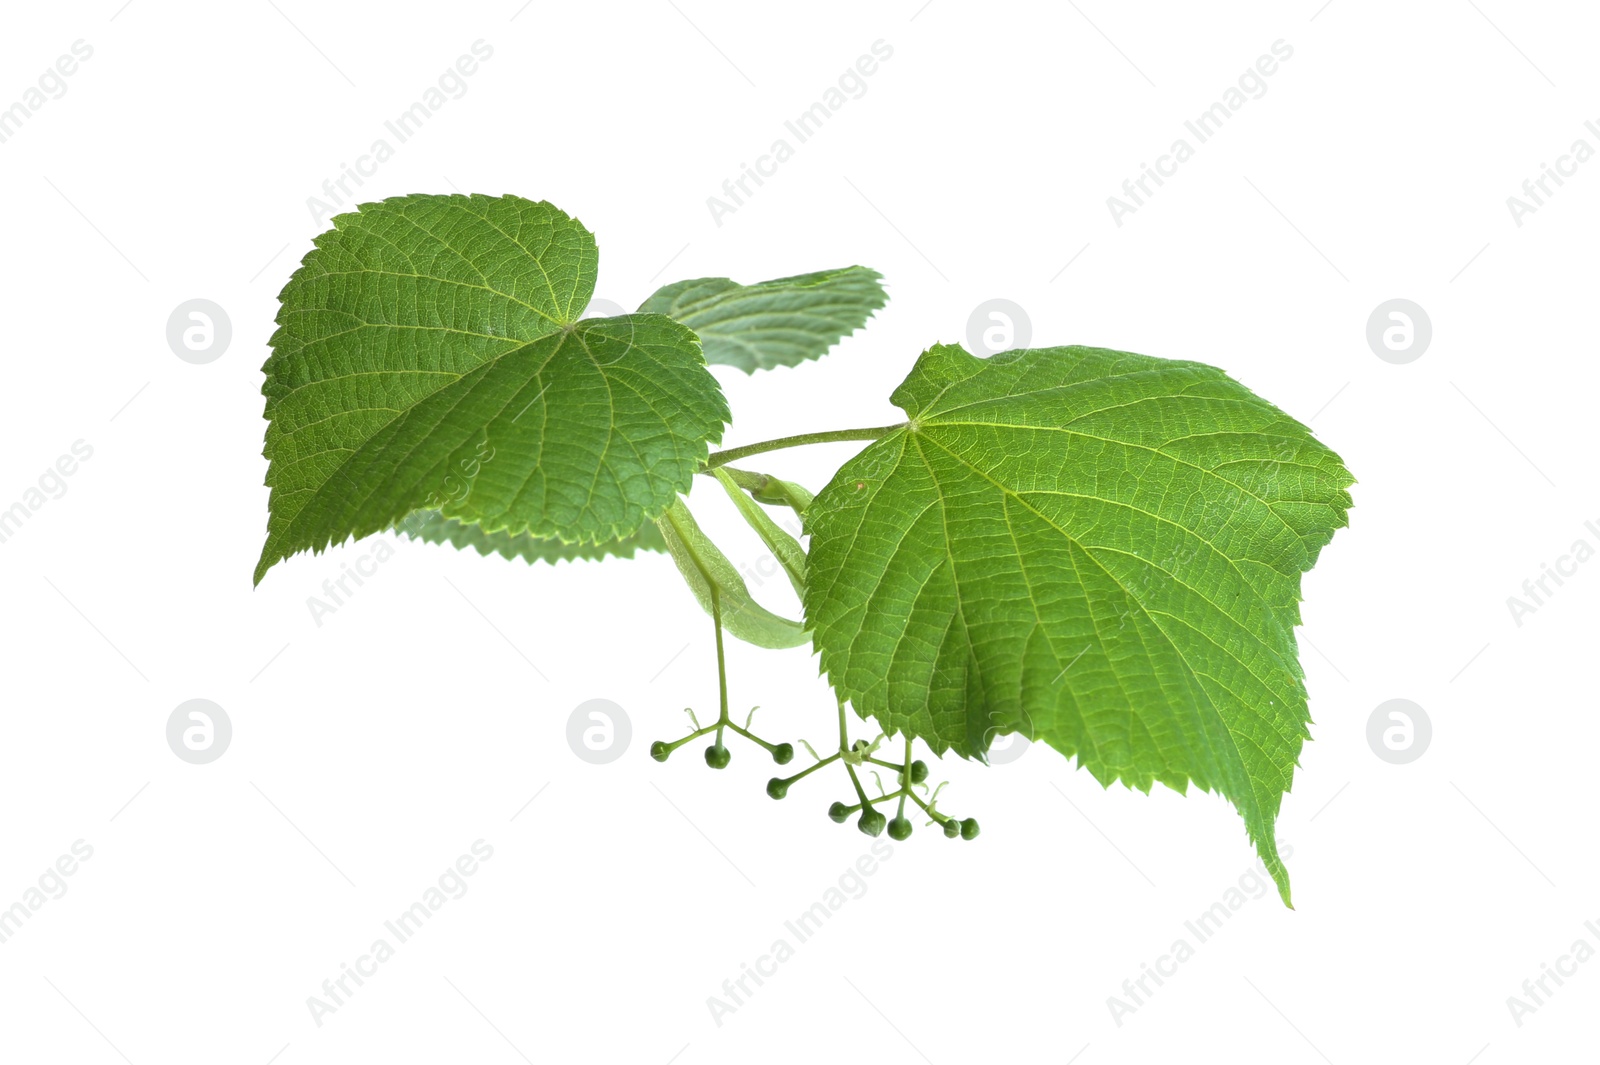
[429, 356]
[773, 323]
[704, 566]
[434, 528]
[784, 547]
[1098, 550]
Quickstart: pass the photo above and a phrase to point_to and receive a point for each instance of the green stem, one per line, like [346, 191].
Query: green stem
[722, 666]
[905, 779]
[860, 791]
[752, 737]
[807, 772]
[941, 818]
[733, 454]
[675, 744]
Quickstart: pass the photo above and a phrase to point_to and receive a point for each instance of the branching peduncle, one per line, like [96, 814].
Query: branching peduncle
[911, 773]
[734, 454]
[717, 755]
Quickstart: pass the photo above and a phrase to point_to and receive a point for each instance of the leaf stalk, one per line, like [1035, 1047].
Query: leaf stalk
[734, 454]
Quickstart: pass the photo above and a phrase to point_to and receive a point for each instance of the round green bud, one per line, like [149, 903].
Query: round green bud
[899, 829]
[952, 829]
[717, 756]
[659, 750]
[919, 771]
[969, 828]
[783, 753]
[871, 822]
[838, 812]
[777, 787]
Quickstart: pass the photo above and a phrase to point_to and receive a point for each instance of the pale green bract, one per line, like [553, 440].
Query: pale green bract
[719, 588]
[774, 323]
[429, 355]
[784, 547]
[1099, 550]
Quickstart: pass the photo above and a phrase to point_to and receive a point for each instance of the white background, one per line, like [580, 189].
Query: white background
[371, 751]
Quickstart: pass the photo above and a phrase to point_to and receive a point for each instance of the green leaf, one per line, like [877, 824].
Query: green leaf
[429, 356]
[773, 323]
[1098, 550]
[705, 567]
[434, 528]
[784, 547]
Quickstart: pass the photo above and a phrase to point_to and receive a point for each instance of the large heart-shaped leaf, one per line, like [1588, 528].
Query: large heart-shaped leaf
[429, 355]
[1099, 550]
